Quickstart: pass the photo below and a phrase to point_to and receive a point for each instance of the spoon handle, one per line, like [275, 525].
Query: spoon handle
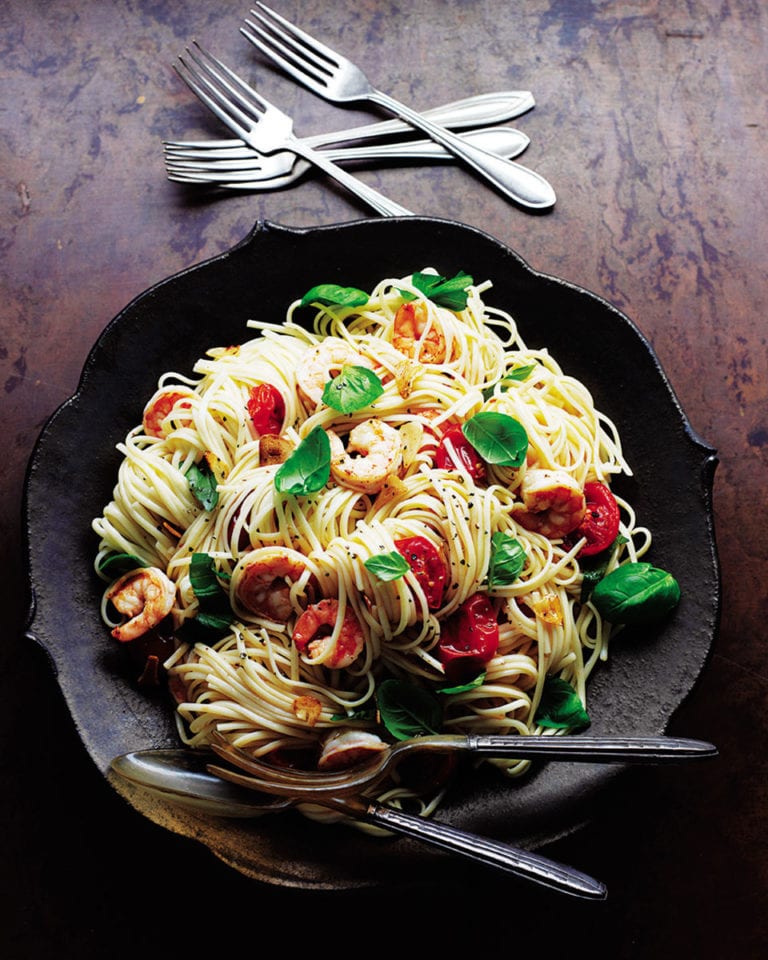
[593, 749]
[502, 856]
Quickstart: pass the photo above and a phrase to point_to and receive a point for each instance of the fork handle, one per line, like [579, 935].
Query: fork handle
[491, 853]
[525, 186]
[373, 198]
[482, 110]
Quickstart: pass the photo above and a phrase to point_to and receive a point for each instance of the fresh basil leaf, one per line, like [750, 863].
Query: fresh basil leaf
[508, 558]
[332, 295]
[560, 707]
[214, 621]
[214, 610]
[463, 687]
[203, 577]
[517, 374]
[387, 566]
[408, 711]
[636, 593]
[497, 437]
[202, 484]
[115, 564]
[451, 294]
[593, 568]
[309, 466]
[353, 389]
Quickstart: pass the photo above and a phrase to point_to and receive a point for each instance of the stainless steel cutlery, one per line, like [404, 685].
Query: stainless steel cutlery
[334, 77]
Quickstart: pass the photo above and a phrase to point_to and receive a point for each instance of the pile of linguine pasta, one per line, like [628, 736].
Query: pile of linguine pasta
[278, 517]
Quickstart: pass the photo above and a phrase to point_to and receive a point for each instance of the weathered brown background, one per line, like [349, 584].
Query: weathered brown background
[651, 124]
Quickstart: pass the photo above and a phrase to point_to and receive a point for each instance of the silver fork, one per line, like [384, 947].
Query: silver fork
[262, 125]
[335, 78]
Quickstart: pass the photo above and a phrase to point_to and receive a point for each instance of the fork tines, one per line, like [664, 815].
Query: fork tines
[290, 47]
[211, 79]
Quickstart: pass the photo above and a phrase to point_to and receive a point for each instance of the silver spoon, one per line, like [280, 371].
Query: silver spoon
[154, 770]
[266, 172]
[181, 777]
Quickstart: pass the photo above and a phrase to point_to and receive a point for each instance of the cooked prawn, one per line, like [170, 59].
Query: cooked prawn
[554, 503]
[159, 408]
[267, 576]
[345, 748]
[378, 448]
[322, 363]
[313, 634]
[145, 596]
[417, 334]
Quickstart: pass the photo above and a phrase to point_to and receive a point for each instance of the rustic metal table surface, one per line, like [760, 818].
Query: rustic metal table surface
[650, 123]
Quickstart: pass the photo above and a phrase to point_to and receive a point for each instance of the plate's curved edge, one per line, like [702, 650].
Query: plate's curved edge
[708, 467]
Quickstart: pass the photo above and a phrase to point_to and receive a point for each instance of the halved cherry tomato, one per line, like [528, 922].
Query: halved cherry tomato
[469, 638]
[462, 449]
[424, 559]
[601, 521]
[266, 408]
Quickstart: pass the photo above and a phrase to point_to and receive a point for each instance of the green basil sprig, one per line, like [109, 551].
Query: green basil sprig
[407, 710]
[214, 610]
[387, 566]
[636, 593]
[309, 466]
[451, 294]
[332, 295]
[353, 389]
[515, 375]
[497, 437]
[478, 681]
[202, 484]
[508, 559]
[115, 564]
[560, 707]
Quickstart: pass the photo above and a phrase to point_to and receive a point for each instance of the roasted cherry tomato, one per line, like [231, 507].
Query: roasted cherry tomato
[469, 638]
[601, 521]
[266, 409]
[462, 449]
[424, 559]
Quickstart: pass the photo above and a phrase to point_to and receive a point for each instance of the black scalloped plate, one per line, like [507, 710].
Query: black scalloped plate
[168, 327]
